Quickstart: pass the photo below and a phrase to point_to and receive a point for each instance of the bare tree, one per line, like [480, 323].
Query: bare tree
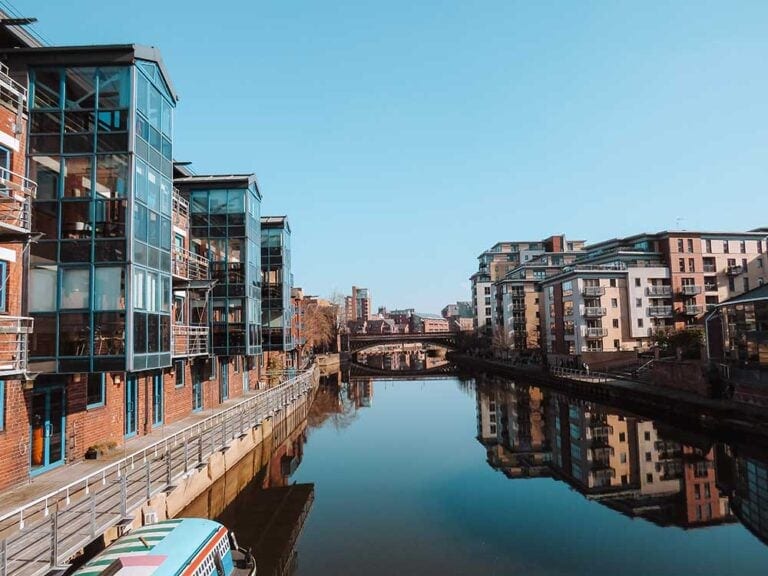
[319, 325]
[501, 343]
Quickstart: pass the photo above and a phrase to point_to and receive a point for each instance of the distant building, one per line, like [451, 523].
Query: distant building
[361, 303]
[380, 326]
[422, 323]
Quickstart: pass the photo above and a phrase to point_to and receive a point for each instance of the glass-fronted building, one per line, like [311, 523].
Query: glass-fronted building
[277, 281]
[224, 228]
[100, 146]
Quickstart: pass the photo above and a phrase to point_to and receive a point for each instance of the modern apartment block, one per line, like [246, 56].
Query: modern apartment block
[495, 263]
[131, 287]
[277, 307]
[361, 303]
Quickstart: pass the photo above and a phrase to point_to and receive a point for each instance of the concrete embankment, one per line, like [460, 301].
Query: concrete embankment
[725, 419]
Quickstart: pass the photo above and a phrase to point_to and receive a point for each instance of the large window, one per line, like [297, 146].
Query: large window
[3, 286]
[96, 390]
[75, 288]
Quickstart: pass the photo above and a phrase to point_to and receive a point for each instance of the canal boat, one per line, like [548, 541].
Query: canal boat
[180, 547]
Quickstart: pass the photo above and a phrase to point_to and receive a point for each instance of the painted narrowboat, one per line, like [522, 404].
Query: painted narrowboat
[180, 547]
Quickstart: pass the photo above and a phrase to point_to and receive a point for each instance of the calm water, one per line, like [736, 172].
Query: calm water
[451, 477]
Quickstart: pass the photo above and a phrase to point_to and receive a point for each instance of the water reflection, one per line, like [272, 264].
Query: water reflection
[629, 464]
[411, 359]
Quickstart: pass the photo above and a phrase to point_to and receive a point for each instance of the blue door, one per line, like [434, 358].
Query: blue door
[246, 382]
[197, 388]
[47, 432]
[223, 379]
[158, 402]
[131, 406]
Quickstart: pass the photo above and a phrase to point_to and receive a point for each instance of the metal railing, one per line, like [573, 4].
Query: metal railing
[188, 265]
[659, 291]
[180, 209]
[593, 311]
[660, 311]
[592, 291]
[690, 289]
[41, 535]
[189, 340]
[735, 270]
[581, 375]
[11, 91]
[594, 332]
[16, 194]
[693, 309]
[14, 344]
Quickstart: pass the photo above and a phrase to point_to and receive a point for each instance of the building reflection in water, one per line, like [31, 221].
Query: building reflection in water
[413, 357]
[629, 464]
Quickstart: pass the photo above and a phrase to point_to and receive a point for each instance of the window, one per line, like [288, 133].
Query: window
[624, 479]
[638, 302]
[612, 282]
[648, 457]
[639, 322]
[2, 405]
[647, 436]
[759, 262]
[75, 288]
[743, 247]
[697, 491]
[615, 322]
[178, 368]
[637, 282]
[708, 246]
[95, 390]
[725, 247]
[487, 289]
[3, 286]
[649, 478]
[690, 245]
[617, 344]
[759, 246]
[746, 284]
[691, 265]
[109, 288]
[680, 245]
[614, 302]
[623, 458]
[681, 264]
[622, 437]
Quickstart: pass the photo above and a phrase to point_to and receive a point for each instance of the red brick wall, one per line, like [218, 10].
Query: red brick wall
[87, 427]
[14, 439]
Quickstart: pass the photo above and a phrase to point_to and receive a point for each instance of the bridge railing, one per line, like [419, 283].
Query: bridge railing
[42, 534]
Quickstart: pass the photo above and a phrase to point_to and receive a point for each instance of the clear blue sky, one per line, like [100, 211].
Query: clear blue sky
[402, 138]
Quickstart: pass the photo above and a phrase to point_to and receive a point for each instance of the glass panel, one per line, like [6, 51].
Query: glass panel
[141, 180]
[142, 92]
[165, 333]
[153, 189]
[154, 107]
[45, 219]
[78, 122]
[165, 233]
[112, 176]
[109, 288]
[47, 86]
[74, 335]
[45, 144]
[76, 251]
[218, 202]
[153, 333]
[42, 289]
[138, 289]
[80, 88]
[153, 229]
[165, 294]
[114, 87]
[43, 338]
[45, 122]
[78, 143]
[152, 292]
[45, 171]
[109, 338]
[112, 121]
[116, 142]
[165, 196]
[75, 287]
[75, 220]
[165, 123]
[77, 177]
[235, 201]
[139, 333]
[140, 222]
[199, 202]
[110, 218]
[109, 251]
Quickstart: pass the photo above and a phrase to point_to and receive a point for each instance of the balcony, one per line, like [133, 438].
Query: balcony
[11, 92]
[594, 332]
[16, 194]
[690, 290]
[180, 210]
[188, 265]
[189, 340]
[710, 268]
[710, 287]
[659, 291]
[14, 350]
[660, 311]
[735, 270]
[593, 311]
[593, 291]
[693, 310]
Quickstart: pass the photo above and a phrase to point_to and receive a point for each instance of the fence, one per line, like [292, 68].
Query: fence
[41, 535]
[581, 375]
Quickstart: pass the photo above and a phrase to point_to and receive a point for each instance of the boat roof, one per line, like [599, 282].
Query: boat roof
[170, 546]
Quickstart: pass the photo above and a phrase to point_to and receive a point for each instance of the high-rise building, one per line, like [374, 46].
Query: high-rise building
[361, 304]
[277, 280]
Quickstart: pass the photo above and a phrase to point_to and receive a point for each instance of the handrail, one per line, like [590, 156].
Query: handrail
[266, 403]
[189, 265]
[586, 375]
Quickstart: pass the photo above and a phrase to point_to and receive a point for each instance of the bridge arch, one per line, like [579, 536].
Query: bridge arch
[358, 342]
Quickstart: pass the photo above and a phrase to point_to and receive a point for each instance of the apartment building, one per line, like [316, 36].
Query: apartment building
[361, 303]
[495, 263]
[277, 280]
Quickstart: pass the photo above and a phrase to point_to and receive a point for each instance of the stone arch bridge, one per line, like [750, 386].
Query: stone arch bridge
[354, 343]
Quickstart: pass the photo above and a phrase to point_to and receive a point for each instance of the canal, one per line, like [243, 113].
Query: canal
[480, 475]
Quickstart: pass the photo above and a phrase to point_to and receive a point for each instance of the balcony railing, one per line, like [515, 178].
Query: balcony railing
[690, 290]
[693, 310]
[189, 340]
[710, 287]
[14, 344]
[660, 311]
[180, 210]
[659, 291]
[188, 265]
[11, 92]
[593, 311]
[595, 332]
[710, 268]
[16, 194]
[593, 291]
[735, 270]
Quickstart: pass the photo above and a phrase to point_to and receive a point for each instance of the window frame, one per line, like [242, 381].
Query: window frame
[179, 366]
[4, 279]
[103, 401]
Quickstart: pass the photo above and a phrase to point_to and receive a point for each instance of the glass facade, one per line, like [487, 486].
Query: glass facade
[277, 309]
[225, 229]
[100, 145]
